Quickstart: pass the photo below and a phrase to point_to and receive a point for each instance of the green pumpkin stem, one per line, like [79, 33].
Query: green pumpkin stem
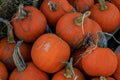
[69, 72]
[52, 6]
[103, 5]
[102, 78]
[78, 20]
[9, 30]
[22, 14]
[17, 57]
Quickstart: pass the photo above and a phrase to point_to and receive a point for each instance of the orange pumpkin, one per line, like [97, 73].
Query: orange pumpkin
[48, 51]
[116, 74]
[103, 78]
[106, 15]
[83, 5]
[3, 72]
[54, 9]
[117, 3]
[68, 73]
[31, 72]
[99, 61]
[30, 26]
[70, 29]
[6, 51]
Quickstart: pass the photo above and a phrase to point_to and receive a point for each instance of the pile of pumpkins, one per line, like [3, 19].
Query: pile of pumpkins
[61, 40]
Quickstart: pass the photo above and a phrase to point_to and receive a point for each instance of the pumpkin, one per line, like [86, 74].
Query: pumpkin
[3, 72]
[6, 51]
[49, 51]
[83, 5]
[103, 78]
[73, 29]
[29, 23]
[54, 9]
[68, 73]
[31, 72]
[116, 3]
[116, 74]
[106, 15]
[99, 61]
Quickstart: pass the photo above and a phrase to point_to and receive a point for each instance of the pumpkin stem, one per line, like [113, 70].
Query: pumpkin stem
[103, 5]
[69, 72]
[52, 6]
[9, 30]
[79, 21]
[17, 57]
[22, 14]
[102, 78]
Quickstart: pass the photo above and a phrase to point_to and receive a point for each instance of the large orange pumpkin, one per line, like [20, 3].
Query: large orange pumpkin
[54, 9]
[106, 15]
[31, 72]
[70, 29]
[30, 26]
[6, 51]
[116, 74]
[3, 72]
[49, 51]
[99, 61]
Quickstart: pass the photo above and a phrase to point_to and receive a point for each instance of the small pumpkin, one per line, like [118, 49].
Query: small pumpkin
[74, 27]
[6, 51]
[54, 9]
[3, 72]
[116, 74]
[31, 72]
[49, 51]
[68, 73]
[106, 15]
[29, 23]
[103, 78]
[83, 5]
[99, 61]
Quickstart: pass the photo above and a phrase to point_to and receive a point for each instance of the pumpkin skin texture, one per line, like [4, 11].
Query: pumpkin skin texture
[6, 51]
[117, 72]
[48, 51]
[108, 19]
[52, 16]
[60, 75]
[72, 33]
[102, 61]
[3, 72]
[83, 5]
[116, 3]
[30, 28]
[30, 73]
